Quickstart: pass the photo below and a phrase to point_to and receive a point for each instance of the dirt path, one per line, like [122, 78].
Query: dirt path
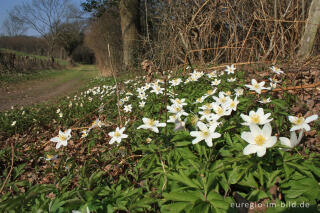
[38, 91]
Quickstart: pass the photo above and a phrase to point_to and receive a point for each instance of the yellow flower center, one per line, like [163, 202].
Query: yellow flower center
[152, 122]
[207, 112]
[228, 93]
[62, 137]
[205, 134]
[299, 121]
[233, 104]
[260, 140]
[255, 119]
[256, 86]
[208, 105]
[117, 134]
[223, 100]
[220, 111]
[178, 109]
[210, 92]
[178, 101]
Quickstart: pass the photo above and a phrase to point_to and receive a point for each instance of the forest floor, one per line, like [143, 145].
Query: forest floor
[49, 86]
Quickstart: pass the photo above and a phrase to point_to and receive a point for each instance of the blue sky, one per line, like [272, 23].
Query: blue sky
[7, 5]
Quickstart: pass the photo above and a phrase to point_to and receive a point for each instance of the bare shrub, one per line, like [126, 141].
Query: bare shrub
[224, 31]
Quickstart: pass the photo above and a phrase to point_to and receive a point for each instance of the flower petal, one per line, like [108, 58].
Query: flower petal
[202, 126]
[247, 136]
[285, 141]
[311, 118]
[272, 141]
[250, 149]
[267, 130]
[55, 139]
[261, 151]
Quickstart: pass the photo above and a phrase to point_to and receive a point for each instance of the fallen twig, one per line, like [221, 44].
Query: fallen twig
[11, 168]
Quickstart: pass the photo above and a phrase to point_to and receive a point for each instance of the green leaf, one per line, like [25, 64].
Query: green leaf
[185, 196]
[182, 136]
[175, 207]
[235, 175]
[249, 181]
[257, 195]
[182, 178]
[217, 200]
[144, 203]
[307, 187]
[201, 207]
[182, 143]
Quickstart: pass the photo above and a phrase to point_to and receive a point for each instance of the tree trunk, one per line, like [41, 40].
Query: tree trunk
[310, 31]
[130, 24]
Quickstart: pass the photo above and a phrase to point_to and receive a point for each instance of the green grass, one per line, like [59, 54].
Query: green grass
[69, 73]
[18, 53]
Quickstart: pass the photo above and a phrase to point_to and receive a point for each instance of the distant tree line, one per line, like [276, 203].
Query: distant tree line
[59, 24]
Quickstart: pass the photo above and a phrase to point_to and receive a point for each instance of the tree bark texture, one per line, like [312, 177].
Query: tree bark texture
[130, 24]
[310, 31]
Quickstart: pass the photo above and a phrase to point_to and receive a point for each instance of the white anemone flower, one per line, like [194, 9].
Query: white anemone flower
[142, 104]
[232, 104]
[231, 79]
[293, 141]
[216, 82]
[13, 123]
[179, 102]
[265, 100]
[49, 157]
[221, 110]
[276, 70]
[62, 138]
[117, 135]
[151, 125]
[258, 117]
[239, 92]
[222, 99]
[201, 99]
[273, 85]
[206, 114]
[175, 109]
[85, 133]
[157, 89]
[255, 86]
[175, 82]
[142, 96]
[205, 133]
[173, 118]
[230, 69]
[206, 106]
[259, 139]
[301, 123]
[97, 123]
[127, 108]
[213, 74]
